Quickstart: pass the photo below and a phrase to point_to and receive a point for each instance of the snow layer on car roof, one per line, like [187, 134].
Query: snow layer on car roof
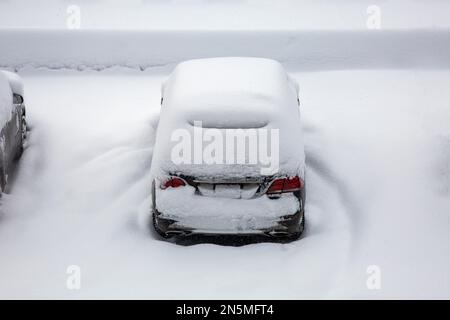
[15, 82]
[228, 92]
[209, 80]
[5, 100]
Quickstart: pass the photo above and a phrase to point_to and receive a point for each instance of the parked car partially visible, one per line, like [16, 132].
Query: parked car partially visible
[13, 126]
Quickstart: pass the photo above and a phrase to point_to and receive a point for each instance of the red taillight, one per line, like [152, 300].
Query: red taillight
[173, 182]
[276, 186]
[285, 185]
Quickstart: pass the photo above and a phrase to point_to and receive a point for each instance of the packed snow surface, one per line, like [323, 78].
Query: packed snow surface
[378, 194]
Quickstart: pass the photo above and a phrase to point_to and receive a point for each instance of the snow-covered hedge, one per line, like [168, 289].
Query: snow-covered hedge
[317, 50]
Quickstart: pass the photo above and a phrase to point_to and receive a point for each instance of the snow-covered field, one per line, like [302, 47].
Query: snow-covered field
[378, 179]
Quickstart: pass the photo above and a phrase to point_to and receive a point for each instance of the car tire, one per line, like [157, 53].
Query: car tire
[296, 235]
[299, 233]
[2, 178]
[23, 137]
[158, 230]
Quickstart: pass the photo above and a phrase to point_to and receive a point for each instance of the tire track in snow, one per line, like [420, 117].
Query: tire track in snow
[332, 195]
[349, 206]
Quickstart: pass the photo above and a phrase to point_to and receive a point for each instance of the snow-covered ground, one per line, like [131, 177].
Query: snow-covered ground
[378, 179]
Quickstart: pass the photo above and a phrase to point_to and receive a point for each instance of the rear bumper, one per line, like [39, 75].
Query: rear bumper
[183, 213]
[285, 226]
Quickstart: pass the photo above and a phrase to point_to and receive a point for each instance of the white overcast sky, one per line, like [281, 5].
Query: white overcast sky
[225, 14]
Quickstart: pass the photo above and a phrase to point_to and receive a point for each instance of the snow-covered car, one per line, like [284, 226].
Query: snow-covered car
[229, 156]
[13, 128]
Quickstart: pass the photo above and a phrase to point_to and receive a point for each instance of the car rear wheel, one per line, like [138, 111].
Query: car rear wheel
[158, 230]
[24, 129]
[2, 178]
[23, 137]
[293, 232]
[298, 234]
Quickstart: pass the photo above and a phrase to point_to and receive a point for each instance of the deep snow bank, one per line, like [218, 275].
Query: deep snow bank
[310, 50]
